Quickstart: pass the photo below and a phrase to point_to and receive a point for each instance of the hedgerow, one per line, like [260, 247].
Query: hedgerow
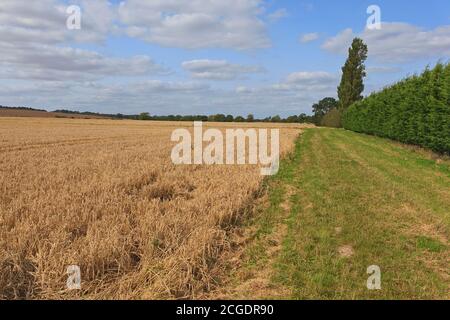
[415, 110]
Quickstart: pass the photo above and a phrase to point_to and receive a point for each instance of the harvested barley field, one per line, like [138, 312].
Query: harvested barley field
[104, 195]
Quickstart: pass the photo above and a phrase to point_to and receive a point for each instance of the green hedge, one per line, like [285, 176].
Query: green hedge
[414, 111]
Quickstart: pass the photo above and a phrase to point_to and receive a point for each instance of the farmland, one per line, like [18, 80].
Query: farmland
[104, 195]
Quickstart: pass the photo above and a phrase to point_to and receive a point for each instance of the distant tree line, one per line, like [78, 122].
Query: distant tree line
[96, 114]
[145, 116]
[302, 118]
[416, 110]
[22, 108]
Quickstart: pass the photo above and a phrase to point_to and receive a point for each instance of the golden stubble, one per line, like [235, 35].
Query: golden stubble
[104, 195]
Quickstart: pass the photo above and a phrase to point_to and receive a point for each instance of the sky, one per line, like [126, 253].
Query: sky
[239, 57]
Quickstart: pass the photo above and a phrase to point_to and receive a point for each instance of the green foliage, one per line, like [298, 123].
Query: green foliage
[332, 119]
[352, 83]
[229, 118]
[276, 118]
[430, 244]
[302, 118]
[321, 108]
[415, 110]
[144, 116]
[292, 119]
[217, 118]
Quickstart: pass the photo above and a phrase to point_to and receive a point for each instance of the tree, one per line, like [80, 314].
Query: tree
[144, 116]
[217, 118]
[353, 73]
[321, 108]
[277, 118]
[250, 118]
[302, 118]
[292, 119]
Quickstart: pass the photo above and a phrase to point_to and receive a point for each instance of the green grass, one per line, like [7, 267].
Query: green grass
[430, 244]
[390, 204]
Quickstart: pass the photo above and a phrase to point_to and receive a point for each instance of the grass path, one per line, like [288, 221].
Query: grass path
[341, 203]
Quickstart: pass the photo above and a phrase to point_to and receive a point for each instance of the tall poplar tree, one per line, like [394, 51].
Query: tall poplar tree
[353, 73]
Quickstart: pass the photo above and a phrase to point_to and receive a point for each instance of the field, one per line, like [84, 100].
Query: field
[8, 112]
[343, 202]
[104, 195]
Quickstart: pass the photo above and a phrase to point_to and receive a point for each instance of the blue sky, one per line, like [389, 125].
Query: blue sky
[204, 57]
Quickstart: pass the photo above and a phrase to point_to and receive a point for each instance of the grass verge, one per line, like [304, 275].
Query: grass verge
[343, 202]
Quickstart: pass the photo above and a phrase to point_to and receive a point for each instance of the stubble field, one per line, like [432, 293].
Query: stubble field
[104, 195]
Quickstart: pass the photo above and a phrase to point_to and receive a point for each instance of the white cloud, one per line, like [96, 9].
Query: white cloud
[44, 21]
[158, 86]
[314, 83]
[244, 90]
[134, 97]
[310, 78]
[48, 62]
[278, 14]
[309, 37]
[34, 43]
[339, 43]
[218, 69]
[194, 24]
[396, 42]
[98, 20]
[293, 95]
[159, 97]
[382, 69]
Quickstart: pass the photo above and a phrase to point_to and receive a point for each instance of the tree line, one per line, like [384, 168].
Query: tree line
[145, 116]
[22, 108]
[302, 118]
